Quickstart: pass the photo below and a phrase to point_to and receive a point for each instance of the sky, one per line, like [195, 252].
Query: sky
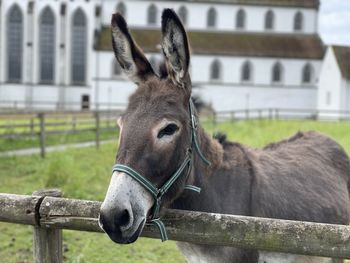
[334, 22]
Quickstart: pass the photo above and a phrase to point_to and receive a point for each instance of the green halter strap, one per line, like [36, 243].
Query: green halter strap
[194, 126]
[158, 193]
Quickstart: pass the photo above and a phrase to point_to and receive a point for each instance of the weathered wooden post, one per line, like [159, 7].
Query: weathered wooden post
[270, 114]
[247, 117]
[317, 117]
[214, 118]
[109, 119]
[31, 125]
[277, 114]
[47, 243]
[232, 116]
[42, 134]
[74, 122]
[97, 129]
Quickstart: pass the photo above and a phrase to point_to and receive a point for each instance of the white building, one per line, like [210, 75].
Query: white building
[334, 84]
[245, 53]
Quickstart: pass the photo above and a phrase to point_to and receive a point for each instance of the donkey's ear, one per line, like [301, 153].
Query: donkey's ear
[130, 57]
[175, 47]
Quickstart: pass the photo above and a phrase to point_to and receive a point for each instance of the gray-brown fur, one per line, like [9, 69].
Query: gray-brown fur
[305, 177]
[302, 178]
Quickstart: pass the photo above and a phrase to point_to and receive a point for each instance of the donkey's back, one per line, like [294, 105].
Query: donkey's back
[305, 177]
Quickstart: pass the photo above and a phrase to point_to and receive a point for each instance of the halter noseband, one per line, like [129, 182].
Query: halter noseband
[158, 193]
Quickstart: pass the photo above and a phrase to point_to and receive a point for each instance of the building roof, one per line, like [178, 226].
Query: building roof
[283, 3]
[342, 55]
[230, 44]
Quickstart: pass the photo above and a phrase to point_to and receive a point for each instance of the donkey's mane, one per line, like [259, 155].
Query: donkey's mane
[276, 145]
[221, 138]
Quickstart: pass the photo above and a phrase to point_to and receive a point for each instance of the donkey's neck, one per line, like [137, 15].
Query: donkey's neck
[211, 149]
[201, 173]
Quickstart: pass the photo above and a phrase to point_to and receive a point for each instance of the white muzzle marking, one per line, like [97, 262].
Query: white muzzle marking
[124, 188]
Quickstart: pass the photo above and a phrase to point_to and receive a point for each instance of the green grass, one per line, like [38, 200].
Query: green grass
[85, 174]
[259, 133]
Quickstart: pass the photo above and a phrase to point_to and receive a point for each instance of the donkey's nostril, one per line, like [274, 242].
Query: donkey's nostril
[103, 223]
[122, 219]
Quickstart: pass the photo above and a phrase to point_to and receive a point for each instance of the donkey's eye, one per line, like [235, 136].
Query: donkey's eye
[168, 130]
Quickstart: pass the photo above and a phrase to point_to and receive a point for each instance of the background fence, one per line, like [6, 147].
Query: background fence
[43, 124]
[49, 214]
[281, 114]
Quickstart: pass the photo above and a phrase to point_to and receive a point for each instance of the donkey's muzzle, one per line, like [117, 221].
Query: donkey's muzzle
[118, 225]
[125, 208]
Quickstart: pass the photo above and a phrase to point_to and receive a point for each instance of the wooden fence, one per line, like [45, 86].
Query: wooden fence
[49, 213]
[281, 114]
[60, 123]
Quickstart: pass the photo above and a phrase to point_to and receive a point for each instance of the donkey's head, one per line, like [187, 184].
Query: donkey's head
[155, 130]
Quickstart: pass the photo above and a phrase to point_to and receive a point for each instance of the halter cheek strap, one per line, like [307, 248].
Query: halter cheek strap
[194, 137]
[158, 193]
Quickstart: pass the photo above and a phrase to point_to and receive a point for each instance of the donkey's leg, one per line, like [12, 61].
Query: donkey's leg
[271, 257]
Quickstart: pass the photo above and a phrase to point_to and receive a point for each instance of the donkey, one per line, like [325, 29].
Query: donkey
[305, 177]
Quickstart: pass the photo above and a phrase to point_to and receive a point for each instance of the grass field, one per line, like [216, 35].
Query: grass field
[85, 174]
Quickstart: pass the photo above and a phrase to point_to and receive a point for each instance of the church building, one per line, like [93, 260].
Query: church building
[245, 53]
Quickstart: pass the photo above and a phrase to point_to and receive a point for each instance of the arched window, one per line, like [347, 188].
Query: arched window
[79, 39]
[298, 21]
[240, 19]
[247, 72]
[211, 17]
[121, 8]
[277, 73]
[307, 73]
[117, 70]
[152, 14]
[47, 46]
[14, 44]
[269, 20]
[215, 70]
[183, 14]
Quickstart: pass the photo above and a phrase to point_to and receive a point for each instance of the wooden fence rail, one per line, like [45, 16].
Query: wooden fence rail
[281, 113]
[45, 212]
